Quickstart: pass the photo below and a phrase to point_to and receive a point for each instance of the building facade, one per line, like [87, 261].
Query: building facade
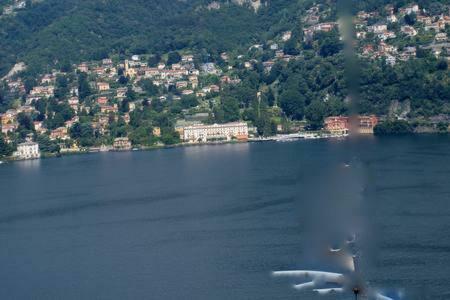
[216, 132]
[366, 124]
[28, 150]
[122, 143]
[337, 125]
[359, 124]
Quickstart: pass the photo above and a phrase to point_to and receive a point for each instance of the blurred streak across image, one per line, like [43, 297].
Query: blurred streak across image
[341, 244]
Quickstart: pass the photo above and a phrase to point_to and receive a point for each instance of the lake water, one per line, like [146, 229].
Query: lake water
[212, 222]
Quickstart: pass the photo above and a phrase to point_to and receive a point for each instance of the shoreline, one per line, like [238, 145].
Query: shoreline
[283, 138]
[105, 149]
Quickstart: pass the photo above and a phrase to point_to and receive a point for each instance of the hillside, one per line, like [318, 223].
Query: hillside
[73, 30]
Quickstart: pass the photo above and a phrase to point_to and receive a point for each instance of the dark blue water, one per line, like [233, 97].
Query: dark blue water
[212, 222]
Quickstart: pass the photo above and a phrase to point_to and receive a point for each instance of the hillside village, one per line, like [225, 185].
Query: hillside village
[104, 95]
[154, 100]
[402, 34]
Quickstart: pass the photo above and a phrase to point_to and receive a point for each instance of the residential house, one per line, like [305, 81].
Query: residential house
[377, 28]
[214, 88]
[413, 8]
[39, 127]
[268, 65]
[286, 36]
[102, 86]
[9, 117]
[72, 121]
[187, 58]
[408, 52]
[156, 131]
[392, 19]
[48, 79]
[361, 34]
[122, 143]
[391, 60]
[7, 128]
[409, 30]
[441, 37]
[436, 26]
[337, 124]
[126, 118]
[100, 71]
[26, 109]
[359, 124]
[362, 15]
[107, 109]
[424, 19]
[187, 92]
[60, 133]
[107, 62]
[83, 67]
[181, 85]
[366, 124]
[43, 91]
[386, 48]
[210, 68]
[386, 35]
[367, 50]
[121, 92]
[278, 54]
[193, 80]
[326, 27]
[102, 101]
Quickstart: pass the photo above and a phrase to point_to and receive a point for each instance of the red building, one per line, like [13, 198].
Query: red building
[367, 123]
[337, 124]
[359, 124]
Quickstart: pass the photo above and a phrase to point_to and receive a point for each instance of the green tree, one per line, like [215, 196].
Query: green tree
[25, 121]
[148, 86]
[189, 101]
[315, 114]
[46, 145]
[230, 108]
[173, 58]
[293, 103]
[290, 47]
[329, 43]
[410, 19]
[83, 86]
[154, 60]
[142, 135]
[397, 127]
[62, 87]
[5, 148]
[170, 136]
[82, 132]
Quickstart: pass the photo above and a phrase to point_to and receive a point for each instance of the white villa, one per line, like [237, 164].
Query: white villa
[28, 150]
[204, 133]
